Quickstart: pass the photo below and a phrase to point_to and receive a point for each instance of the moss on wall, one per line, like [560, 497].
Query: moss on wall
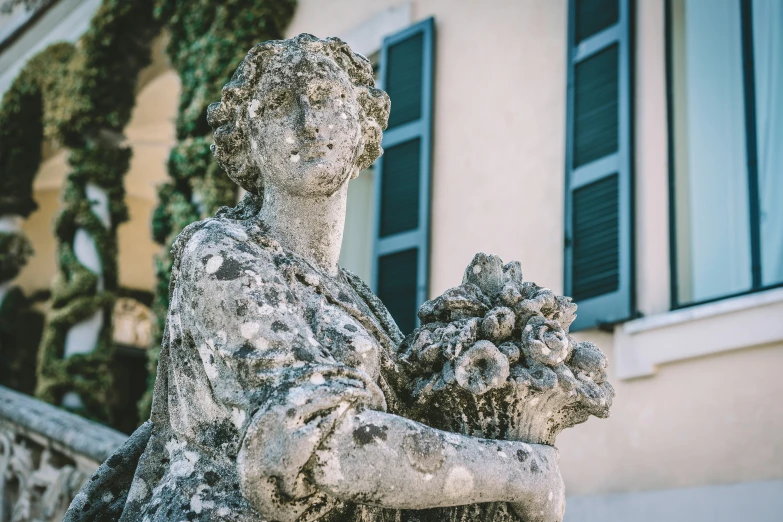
[29, 112]
[20, 333]
[28, 115]
[99, 90]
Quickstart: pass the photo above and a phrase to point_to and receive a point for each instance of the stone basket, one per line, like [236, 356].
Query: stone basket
[493, 359]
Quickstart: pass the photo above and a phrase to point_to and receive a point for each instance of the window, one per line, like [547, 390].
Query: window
[386, 240]
[726, 131]
[402, 176]
[598, 207]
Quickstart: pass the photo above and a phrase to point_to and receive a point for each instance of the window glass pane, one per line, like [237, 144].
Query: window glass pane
[711, 178]
[400, 188]
[596, 111]
[768, 62]
[593, 16]
[397, 279]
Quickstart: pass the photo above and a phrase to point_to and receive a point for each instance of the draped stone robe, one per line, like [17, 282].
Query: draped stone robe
[262, 351]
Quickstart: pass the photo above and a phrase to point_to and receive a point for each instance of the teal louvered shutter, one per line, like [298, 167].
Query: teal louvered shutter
[599, 182]
[402, 181]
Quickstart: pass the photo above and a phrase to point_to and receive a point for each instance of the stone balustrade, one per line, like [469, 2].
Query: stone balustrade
[46, 454]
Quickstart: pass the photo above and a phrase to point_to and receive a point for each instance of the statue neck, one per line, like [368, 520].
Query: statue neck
[310, 226]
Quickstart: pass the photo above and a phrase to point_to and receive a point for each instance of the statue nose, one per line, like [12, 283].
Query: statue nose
[307, 118]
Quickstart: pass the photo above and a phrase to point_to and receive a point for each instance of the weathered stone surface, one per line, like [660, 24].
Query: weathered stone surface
[104, 496]
[46, 454]
[454, 304]
[66, 430]
[548, 381]
[486, 272]
[286, 392]
[481, 368]
[498, 324]
[537, 382]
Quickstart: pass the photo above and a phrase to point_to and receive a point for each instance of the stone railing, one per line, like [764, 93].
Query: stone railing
[46, 454]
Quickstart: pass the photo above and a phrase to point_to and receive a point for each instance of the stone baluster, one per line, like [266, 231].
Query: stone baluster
[46, 455]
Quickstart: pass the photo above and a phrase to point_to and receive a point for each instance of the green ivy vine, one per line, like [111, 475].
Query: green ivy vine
[99, 91]
[27, 117]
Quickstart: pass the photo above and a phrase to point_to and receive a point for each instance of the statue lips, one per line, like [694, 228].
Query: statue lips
[312, 149]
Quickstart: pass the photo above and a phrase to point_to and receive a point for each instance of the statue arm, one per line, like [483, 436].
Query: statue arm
[381, 459]
[337, 447]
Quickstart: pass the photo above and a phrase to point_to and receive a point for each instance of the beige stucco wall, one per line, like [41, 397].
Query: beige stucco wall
[151, 134]
[37, 273]
[356, 250]
[709, 420]
[499, 143]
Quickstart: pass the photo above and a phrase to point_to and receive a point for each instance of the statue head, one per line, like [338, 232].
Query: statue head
[302, 114]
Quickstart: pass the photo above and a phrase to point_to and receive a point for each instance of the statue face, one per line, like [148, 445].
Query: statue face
[305, 128]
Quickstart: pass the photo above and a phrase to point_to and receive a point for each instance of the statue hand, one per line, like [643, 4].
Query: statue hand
[547, 502]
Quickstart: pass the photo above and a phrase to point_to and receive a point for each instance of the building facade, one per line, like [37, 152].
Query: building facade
[613, 148]
[625, 151]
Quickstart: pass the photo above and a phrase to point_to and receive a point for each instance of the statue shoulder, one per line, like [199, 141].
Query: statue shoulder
[229, 222]
[237, 242]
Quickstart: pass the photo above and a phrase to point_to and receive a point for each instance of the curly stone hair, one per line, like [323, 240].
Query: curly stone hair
[230, 116]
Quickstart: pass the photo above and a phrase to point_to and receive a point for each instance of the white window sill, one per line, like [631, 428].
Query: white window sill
[731, 324]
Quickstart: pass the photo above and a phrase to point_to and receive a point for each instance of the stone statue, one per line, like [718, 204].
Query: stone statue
[285, 391]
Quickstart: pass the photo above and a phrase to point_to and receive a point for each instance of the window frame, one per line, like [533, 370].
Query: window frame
[748, 84]
[421, 128]
[604, 310]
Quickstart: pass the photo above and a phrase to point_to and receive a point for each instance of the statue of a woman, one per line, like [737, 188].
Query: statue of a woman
[278, 395]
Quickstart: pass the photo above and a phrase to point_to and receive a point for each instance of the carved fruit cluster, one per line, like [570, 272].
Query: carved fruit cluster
[505, 342]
